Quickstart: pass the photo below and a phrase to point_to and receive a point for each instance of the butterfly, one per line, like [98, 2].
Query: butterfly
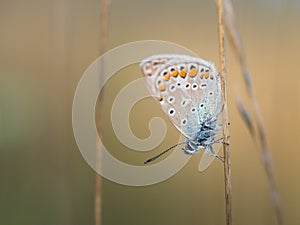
[188, 90]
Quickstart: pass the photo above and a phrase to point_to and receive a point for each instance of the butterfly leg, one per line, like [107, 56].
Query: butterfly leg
[220, 157]
[210, 151]
[220, 140]
[217, 156]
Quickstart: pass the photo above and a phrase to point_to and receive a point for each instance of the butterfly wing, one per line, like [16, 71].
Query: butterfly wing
[187, 88]
[189, 92]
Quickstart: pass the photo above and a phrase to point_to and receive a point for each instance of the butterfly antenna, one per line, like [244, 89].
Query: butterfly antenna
[162, 153]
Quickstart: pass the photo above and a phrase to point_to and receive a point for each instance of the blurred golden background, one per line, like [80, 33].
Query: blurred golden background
[45, 48]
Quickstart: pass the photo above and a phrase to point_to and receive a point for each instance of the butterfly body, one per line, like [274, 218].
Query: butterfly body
[188, 90]
[204, 138]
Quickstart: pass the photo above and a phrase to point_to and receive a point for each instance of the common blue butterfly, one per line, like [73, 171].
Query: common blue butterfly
[188, 90]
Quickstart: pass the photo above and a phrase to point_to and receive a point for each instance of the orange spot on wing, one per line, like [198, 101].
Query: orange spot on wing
[162, 87]
[206, 75]
[182, 73]
[193, 72]
[160, 98]
[167, 77]
[175, 73]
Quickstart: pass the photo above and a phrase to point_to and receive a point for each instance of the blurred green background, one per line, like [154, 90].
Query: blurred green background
[45, 46]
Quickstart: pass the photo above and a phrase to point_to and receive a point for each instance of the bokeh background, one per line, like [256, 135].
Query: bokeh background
[45, 47]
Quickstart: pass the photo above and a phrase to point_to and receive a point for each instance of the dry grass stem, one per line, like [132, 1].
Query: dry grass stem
[245, 115]
[226, 149]
[104, 4]
[257, 134]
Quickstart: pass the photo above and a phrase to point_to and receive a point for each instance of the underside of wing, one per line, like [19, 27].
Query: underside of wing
[187, 88]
